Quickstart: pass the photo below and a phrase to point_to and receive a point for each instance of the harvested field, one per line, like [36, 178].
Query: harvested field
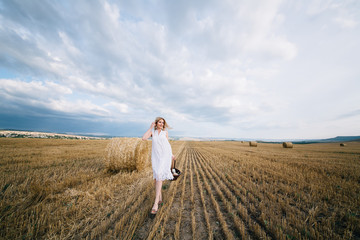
[228, 190]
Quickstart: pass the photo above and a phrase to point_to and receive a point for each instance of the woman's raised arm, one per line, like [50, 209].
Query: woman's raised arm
[148, 132]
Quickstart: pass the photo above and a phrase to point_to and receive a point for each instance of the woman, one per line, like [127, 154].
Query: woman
[161, 156]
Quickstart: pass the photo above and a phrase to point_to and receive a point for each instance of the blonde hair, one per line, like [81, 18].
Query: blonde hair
[166, 126]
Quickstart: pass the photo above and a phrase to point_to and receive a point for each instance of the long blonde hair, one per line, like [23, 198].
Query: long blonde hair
[166, 126]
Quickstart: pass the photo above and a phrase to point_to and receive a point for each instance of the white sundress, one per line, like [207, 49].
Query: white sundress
[161, 155]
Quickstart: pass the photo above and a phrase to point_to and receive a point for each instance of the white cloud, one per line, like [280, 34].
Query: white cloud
[68, 44]
[43, 90]
[122, 107]
[272, 47]
[318, 6]
[346, 22]
[79, 107]
[48, 96]
[196, 62]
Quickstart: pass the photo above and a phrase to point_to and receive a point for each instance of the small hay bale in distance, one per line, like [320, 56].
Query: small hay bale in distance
[287, 145]
[342, 144]
[253, 144]
[127, 154]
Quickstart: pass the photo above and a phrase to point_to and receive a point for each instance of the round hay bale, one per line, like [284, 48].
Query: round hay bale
[342, 144]
[253, 144]
[287, 145]
[127, 154]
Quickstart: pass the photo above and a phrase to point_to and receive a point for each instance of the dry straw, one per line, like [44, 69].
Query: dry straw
[253, 144]
[127, 154]
[287, 145]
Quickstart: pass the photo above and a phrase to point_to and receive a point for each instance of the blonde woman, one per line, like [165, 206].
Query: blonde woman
[161, 156]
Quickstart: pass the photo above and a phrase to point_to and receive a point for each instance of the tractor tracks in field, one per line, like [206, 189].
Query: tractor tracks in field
[204, 204]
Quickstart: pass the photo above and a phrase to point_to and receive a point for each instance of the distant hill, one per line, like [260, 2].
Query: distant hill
[330, 140]
[29, 134]
[343, 139]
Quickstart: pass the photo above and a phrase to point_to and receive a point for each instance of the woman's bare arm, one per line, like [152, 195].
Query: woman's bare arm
[148, 132]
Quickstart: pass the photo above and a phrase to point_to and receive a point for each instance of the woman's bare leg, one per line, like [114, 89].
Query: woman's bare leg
[158, 186]
[160, 191]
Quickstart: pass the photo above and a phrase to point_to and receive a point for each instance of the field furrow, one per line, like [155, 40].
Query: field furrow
[247, 206]
[204, 204]
[182, 222]
[214, 218]
[218, 202]
[192, 200]
[199, 215]
[242, 218]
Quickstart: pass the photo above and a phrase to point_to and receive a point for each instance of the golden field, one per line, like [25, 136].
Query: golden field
[63, 189]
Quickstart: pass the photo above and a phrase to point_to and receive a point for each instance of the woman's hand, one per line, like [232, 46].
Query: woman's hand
[152, 125]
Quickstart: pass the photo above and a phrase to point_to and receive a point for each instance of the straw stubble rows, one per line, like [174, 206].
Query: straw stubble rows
[204, 204]
[227, 190]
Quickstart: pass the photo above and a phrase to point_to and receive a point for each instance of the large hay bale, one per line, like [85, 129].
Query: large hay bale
[253, 144]
[127, 154]
[287, 145]
[342, 144]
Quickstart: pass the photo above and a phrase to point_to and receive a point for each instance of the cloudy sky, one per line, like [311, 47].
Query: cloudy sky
[267, 69]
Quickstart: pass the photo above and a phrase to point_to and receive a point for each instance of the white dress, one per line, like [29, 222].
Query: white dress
[161, 155]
